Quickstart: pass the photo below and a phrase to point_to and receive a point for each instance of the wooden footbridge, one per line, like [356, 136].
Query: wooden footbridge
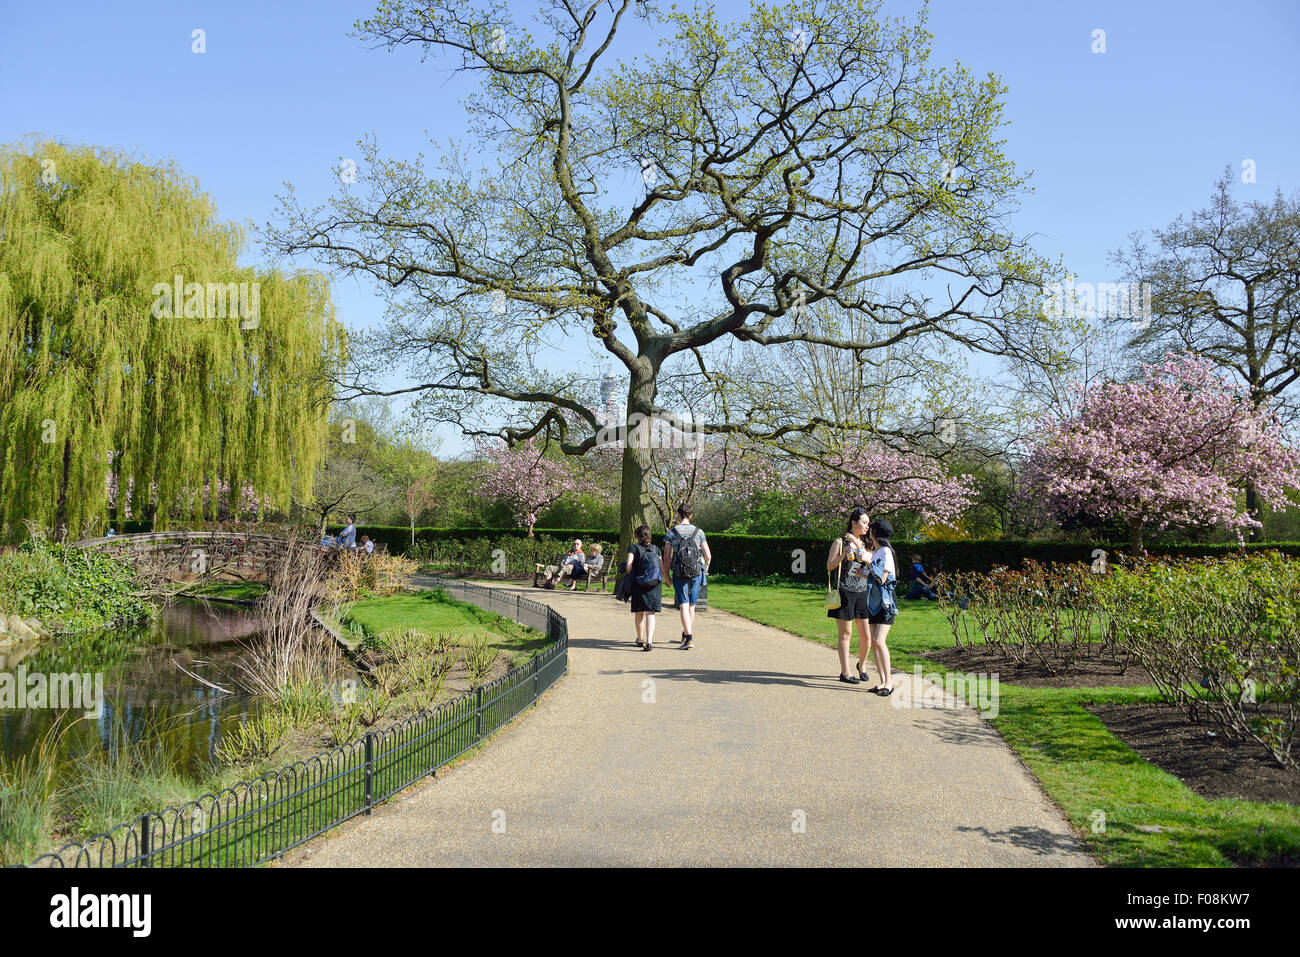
[187, 555]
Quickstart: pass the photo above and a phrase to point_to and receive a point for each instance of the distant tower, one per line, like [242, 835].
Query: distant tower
[608, 386]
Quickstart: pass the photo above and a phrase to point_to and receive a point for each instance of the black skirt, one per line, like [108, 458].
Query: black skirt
[881, 617]
[647, 597]
[853, 606]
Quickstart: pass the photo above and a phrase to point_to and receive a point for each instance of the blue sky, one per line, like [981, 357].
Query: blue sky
[1118, 141]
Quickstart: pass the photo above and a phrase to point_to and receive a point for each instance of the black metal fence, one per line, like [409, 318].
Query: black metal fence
[257, 821]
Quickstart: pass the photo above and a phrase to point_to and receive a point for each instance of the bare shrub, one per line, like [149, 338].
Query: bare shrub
[294, 651]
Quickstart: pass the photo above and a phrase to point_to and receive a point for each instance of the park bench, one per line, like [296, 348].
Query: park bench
[601, 577]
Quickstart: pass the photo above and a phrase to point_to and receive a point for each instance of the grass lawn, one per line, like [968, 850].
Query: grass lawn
[1151, 819]
[433, 611]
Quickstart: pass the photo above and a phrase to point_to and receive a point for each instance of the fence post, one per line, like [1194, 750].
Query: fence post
[478, 714]
[518, 607]
[146, 840]
[536, 658]
[370, 770]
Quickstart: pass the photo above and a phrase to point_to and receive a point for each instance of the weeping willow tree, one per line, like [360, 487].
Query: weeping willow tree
[130, 334]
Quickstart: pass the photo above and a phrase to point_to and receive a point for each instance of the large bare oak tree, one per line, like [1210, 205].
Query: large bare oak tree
[675, 203]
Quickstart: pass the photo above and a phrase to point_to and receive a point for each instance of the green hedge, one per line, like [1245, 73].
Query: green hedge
[470, 550]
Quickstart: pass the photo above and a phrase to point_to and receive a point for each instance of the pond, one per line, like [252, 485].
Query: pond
[146, 696]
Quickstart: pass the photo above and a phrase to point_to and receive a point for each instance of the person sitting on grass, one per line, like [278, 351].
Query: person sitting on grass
[922, 586]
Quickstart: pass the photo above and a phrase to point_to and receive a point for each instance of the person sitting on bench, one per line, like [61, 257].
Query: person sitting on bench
[583, 572]
[574, 563]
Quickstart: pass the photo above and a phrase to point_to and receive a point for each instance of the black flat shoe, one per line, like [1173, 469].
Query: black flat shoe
[849, 681]
[883, 692]
[862, 675]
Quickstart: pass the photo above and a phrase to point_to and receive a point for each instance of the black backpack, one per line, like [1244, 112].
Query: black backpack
[646, 566]
[688, 561]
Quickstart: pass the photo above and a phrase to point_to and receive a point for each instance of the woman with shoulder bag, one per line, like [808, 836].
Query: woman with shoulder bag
[846, 599]
[881, 603]
[643, 566]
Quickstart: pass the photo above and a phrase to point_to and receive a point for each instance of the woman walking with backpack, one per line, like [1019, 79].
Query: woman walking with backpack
[643, 565]
[882, 604]
[686, 553]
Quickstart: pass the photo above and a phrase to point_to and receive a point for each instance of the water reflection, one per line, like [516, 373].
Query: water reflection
[146, 696]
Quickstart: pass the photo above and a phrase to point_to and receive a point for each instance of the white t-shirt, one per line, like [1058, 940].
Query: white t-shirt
[886, 556]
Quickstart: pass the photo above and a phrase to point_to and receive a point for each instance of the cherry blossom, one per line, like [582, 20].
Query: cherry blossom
[1172, 447]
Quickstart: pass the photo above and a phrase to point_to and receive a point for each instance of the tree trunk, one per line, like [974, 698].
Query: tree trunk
[1252, 506]
[61, 512]
[634, 498]
[1135, 537]
[412, 531]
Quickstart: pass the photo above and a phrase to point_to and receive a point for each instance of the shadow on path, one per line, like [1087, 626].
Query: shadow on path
[1036, 839]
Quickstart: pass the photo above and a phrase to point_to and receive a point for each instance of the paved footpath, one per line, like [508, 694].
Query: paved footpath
[746, 751]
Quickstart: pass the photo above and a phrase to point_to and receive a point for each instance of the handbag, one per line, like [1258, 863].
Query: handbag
[832, 594]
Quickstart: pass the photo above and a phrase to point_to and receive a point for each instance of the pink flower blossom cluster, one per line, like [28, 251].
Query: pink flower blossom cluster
[881, 480]
[1173, 447]
[878, 478]
[522, 478]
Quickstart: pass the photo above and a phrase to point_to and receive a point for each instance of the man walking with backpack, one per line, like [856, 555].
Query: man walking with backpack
[686, 553]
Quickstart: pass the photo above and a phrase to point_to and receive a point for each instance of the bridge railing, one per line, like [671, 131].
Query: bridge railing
[257, 821]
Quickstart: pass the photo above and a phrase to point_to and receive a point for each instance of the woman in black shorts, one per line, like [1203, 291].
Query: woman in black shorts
[851, 561]
[645, 561]
[884, 567]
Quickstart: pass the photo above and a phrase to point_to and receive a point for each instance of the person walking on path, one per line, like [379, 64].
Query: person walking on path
[881, 603]
[848, 564]
[687, 554]
[644, 564]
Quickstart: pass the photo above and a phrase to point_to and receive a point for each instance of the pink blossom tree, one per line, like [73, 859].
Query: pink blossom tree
[1173, 447]
[416, 497]
[882, 480]
[524, 479]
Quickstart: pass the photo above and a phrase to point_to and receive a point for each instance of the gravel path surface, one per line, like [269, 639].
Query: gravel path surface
[744, 751]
